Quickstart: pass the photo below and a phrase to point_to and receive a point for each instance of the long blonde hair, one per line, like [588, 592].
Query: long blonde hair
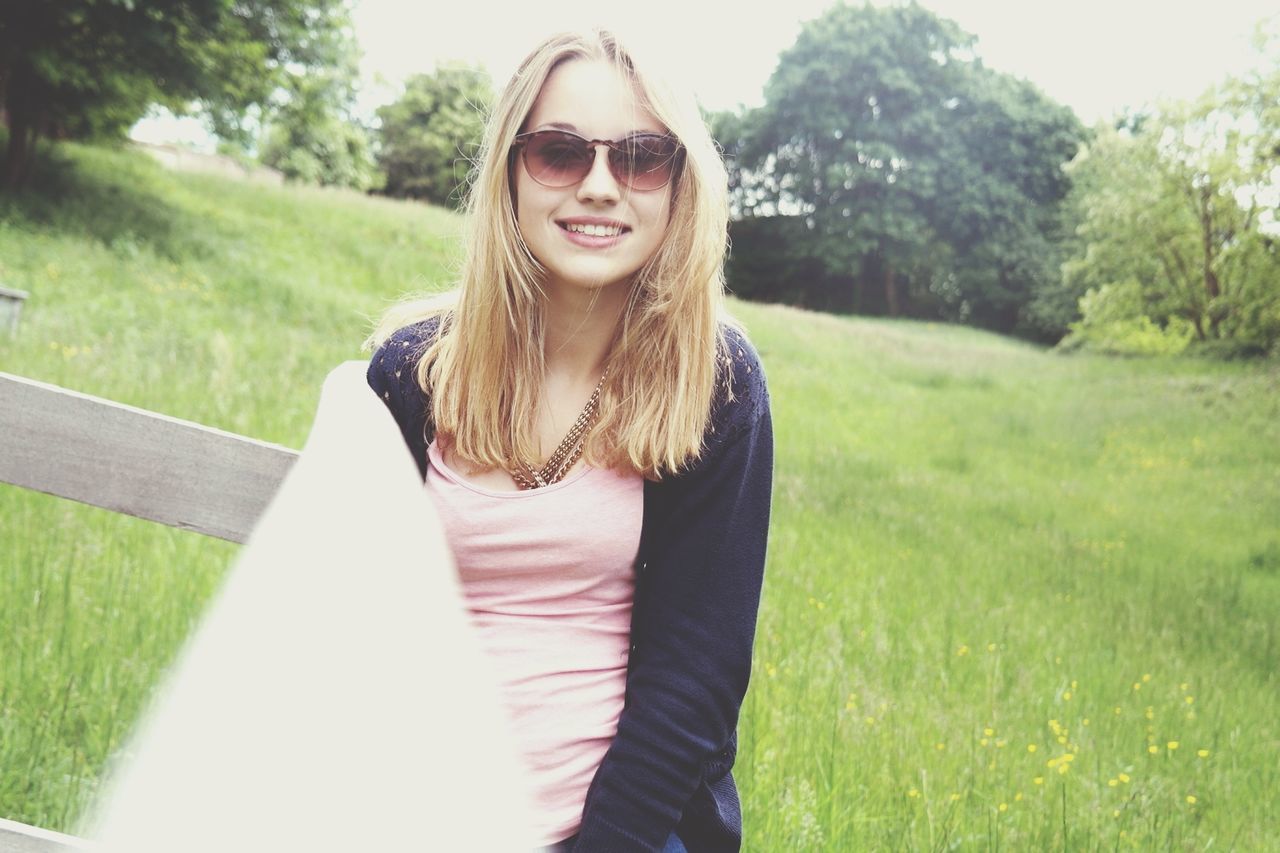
[484, 371]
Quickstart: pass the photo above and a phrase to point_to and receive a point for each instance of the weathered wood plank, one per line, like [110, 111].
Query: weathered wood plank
[11, 307]
[19, 838]
[129, 460]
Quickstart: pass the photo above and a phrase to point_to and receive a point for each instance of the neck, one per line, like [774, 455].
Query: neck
[580, 326]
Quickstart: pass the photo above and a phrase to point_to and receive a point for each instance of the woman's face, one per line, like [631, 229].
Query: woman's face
[592, 99]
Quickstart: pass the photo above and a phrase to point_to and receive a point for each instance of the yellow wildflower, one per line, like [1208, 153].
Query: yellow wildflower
[1191, 799]
[983, 742]
[1173, 744]
[1190, 700]
[913, 793]
[1137, 685]
[955, 797]
[962, 651]
[988, 731]
[1031, 747]
[1004, 807]
[991, 647]
[1111, 783]
[1146, 677]
[939, 746]
[1153, 749]
[1039, 780]
[1124, 777]
[1203, 753]
[1017, 798]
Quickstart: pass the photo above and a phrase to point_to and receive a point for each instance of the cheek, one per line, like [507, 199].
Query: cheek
[526, 198]
[659, 216]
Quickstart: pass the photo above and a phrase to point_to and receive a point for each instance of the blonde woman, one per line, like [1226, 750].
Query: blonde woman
[596, 437]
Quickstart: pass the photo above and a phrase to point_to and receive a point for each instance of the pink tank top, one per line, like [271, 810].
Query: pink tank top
[549, 579]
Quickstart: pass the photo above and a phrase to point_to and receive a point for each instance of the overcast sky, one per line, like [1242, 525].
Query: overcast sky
[1096, 56]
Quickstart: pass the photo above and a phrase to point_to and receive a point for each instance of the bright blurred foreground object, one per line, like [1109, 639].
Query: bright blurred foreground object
[334, 697]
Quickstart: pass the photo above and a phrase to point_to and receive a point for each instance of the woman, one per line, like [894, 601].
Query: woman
[596, 436]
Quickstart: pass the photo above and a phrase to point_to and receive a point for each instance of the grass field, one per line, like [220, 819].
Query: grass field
[1015, 599]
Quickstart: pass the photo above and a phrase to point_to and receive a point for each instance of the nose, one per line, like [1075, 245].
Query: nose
[599, 184]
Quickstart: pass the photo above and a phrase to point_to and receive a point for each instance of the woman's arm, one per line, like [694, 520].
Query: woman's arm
[697, 594]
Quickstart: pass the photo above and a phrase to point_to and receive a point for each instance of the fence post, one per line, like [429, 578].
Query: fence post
[10, 307]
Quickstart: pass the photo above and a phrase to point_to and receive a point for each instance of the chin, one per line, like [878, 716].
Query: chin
[591, 279]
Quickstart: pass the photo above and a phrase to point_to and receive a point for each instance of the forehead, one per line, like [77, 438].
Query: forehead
[591, 98]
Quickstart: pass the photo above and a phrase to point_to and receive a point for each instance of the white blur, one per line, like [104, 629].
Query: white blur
[334, 698]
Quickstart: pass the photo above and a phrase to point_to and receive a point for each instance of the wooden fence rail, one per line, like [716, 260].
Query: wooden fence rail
[135, 462]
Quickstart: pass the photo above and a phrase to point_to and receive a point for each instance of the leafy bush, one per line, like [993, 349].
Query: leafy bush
[1114, 322]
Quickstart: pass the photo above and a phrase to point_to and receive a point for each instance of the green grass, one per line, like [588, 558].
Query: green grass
[978, 546]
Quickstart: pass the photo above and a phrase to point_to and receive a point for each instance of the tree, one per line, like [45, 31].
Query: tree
[1173, 228]
[92, 67]
[921, 175]
[999, 202]
[429, 136]
[313, 137]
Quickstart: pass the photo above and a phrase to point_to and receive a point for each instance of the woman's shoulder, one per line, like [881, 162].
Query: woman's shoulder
[742, 394]
[392, 368]
[409, 341]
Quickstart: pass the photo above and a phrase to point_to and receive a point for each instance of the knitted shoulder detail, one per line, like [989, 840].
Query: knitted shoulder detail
[395, 361]
[742, 394]
[392, 376]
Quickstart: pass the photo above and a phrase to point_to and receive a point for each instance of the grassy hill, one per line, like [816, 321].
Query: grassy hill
[1014, 598]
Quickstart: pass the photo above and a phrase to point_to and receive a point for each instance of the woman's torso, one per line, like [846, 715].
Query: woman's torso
[549, 580]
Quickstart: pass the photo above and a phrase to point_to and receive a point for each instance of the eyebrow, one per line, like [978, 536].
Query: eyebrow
[564, 125]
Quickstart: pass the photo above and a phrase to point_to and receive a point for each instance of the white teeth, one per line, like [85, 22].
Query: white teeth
[595, 230]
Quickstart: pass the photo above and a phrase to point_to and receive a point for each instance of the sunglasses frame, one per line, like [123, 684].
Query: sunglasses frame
[521, 145]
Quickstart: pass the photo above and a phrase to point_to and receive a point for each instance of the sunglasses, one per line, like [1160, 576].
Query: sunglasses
[558, 158]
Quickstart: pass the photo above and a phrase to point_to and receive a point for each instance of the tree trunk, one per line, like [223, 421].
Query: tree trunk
[17, 155]
[22, 112]
[1211, 283]
[890, 290]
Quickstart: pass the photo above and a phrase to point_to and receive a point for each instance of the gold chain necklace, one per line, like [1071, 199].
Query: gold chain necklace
[567, 453]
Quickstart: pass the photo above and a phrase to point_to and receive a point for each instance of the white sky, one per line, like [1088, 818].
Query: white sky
[1096, 56]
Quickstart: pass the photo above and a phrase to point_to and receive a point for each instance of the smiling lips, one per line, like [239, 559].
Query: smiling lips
[592, 232]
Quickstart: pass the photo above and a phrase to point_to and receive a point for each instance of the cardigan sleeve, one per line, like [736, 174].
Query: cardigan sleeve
[697, 596]
[391, 376]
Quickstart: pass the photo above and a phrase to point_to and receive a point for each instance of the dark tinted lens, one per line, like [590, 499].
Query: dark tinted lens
[646, 161]
[557, 159]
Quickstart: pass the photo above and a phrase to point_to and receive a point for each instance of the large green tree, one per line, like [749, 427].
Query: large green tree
[85, 67]
[430, 135]
[313, 136]
[928, 181]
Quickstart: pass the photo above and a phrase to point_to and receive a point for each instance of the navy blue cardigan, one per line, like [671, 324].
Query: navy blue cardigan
[698, 577]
